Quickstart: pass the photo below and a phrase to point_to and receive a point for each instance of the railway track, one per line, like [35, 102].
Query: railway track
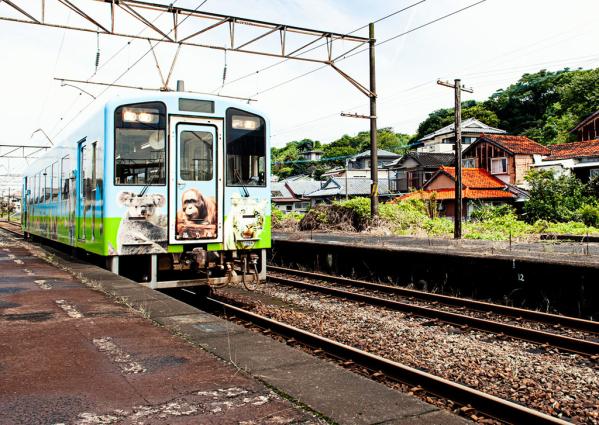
[566, 343]
[496, 407]
[12, 227]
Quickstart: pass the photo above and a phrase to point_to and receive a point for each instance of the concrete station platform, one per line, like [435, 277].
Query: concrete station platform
[81, 345]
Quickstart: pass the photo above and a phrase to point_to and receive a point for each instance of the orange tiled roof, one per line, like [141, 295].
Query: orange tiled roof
[517, 144]
[574, 150]
[448, 194]
[474, 178]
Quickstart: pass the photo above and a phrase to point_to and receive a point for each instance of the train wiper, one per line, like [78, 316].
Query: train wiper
[246, 193]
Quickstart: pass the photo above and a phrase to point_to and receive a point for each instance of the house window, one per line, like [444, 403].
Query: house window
[498, 165]
[469, 163]
[594, 172]
[289, 207]
[427, 176]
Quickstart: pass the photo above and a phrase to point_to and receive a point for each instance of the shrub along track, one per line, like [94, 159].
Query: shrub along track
[567, 333]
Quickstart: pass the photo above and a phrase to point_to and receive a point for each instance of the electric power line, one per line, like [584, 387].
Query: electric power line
[318, 46]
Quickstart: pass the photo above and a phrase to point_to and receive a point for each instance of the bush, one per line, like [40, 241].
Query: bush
[489, 212]
[589, 215]
[555, 199]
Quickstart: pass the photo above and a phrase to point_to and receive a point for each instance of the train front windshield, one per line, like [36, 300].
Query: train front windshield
[246, 149]
[140, 148]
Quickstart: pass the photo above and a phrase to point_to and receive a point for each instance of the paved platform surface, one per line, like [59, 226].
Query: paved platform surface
[575, 253]
[70, 354]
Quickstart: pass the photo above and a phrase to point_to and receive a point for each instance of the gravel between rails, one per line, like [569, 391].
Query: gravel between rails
[524, 323]
[560, 384]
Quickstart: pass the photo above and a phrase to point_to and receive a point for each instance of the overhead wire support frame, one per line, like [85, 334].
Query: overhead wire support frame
[138, 10]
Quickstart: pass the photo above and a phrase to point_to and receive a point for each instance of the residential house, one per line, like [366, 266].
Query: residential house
[578, 158]
[335, 189]
[414, 169]
[289, 195]
[588, 128]
[443, 140]
[506, 157]
[311, 155]
[478, 187]
[358, 166]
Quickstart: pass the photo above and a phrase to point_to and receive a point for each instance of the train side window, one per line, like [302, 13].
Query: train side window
[65, 177]
[47, 182]
[140, 144]
[196, 155]
[55, 182]
[246, 149]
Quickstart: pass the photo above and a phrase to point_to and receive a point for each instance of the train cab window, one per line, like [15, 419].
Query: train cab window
[196, 155]
[140, 144]
[246, 149]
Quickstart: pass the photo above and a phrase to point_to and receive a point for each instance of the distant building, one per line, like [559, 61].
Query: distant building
[358, 166]
[414, 169]
[588, 128]
[443, 140]
[289, 195]
[578, 158]
[506, 157]
[312, 155]
[478, 187]
[335, 189]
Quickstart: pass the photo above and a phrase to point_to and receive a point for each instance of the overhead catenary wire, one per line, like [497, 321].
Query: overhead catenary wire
[344, 57]
[320, 45]
[127, 70]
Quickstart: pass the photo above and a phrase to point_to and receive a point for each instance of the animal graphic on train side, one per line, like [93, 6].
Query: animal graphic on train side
[143, 227]
[196, 219]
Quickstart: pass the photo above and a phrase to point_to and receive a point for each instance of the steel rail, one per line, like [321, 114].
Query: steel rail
[575, 345]
[568, 321]
[490, 405]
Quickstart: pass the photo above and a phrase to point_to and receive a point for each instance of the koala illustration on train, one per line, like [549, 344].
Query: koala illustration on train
[143, 228]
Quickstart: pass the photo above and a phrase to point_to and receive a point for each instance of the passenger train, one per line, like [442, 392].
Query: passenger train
[160, 185]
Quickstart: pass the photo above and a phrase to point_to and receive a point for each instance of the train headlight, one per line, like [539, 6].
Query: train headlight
[241, 122]
[147, 118]
[129, 115]
[141, 115]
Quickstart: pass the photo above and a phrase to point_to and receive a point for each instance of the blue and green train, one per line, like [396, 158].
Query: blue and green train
[161, 183]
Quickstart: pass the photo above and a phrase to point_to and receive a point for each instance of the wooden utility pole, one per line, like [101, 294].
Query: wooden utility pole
[371, 93]
[458, 88]
[374, 163]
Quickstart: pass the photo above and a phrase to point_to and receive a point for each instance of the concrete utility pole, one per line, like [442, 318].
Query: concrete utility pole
[374, 166]
[458, 88]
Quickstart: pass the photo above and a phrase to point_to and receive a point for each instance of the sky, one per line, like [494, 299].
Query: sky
[488, 46]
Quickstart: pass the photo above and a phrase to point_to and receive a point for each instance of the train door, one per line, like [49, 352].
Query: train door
[81, 190]
[195, 181]
[25, 202]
